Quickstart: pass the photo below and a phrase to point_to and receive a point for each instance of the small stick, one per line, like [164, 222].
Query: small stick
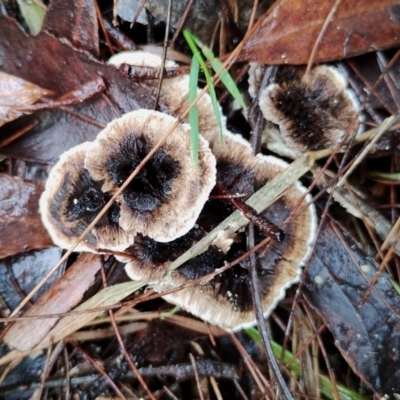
[264, 224]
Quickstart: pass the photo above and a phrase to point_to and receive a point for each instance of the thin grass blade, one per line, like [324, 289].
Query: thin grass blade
[194, 112]
[225, 76]
[196, 53]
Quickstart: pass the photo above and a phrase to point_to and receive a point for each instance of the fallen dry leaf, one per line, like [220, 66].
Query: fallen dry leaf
[56, 66]
[20, 223]
[104, 298]
[62, 297]
[368, 336]
[288, 31]
[75, 21]
[17, 94]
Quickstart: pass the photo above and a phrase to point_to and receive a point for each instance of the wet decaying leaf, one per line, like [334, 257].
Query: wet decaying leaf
[368, 336]
[20, 223]
[17, 94]
[21, 273]
[290, 28]
[75, 21]
[64, 295]
[104, 298]
[54, 65]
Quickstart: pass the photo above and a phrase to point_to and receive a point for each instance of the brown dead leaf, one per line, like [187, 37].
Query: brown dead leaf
[288, 31]
[106, 297]
[62, 297]
[75, 21]
[17, 94]
[20, 223]
[55, 65]
[368, 336]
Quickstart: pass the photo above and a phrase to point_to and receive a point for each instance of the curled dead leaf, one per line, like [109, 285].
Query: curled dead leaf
[16, 94]
[287, 32]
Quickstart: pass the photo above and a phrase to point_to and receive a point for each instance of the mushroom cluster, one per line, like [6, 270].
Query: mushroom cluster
[162, 202]
[171, 205]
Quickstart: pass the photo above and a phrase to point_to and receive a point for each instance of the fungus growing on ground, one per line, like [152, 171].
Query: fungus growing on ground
[312, 111]
[174, 91]
[165, 198]
[226, 299]
[71, 201]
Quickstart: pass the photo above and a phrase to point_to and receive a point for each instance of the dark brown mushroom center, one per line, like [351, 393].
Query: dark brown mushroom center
[311, 112]
[85, 200]
[151, 187]
[236, 181]
[234, 284]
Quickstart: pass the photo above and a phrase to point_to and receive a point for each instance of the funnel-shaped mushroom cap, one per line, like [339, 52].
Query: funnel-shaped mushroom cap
[313, 111]
[71, 201]
[165, 198]
[226, 299]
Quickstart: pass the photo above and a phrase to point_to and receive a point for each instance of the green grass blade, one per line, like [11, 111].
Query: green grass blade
[389, 178]
[33, 14]
[196, 53]
[225, 76]
[194, 112]
[325, 382]
[395, 285]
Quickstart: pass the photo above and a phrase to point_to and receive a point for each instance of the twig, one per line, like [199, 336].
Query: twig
[99, 369]
[328, 19]
[128, 357]
[196, 375]
[261, 322]
[182, 20]
[164, 55]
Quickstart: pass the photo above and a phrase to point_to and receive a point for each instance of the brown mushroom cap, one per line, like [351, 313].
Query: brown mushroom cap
[226, 300]
[313, 111]
[174, 91]
[165, 198]
[140, 59]
[70, 202]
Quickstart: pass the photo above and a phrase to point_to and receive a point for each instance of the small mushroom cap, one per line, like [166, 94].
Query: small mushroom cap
[165, 198]
[139, 59]
[313, 111]
[174, 91]
[70, 202]
[226, 300]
